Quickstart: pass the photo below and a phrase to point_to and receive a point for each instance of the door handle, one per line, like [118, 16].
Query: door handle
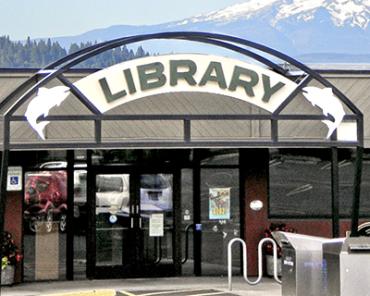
[132, 222]
[140, 222]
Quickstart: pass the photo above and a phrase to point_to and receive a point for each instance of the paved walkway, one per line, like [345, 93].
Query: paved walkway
[184, 286]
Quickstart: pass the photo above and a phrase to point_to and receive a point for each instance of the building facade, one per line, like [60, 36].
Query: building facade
[177, 155]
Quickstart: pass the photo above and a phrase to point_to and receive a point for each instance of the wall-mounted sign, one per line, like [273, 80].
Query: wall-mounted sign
[14, 179]
[219, 203]
[156, 225]
[149, 76]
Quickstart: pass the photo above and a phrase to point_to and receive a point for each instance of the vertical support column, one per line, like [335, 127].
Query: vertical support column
[187, 130]
[356, 192]
[177, 253]
[70, 205]
[197, 216]
[3, 176]
[98, 128]
[242, 201]
[90, 231]
[137, 233]
[334, 192]
[255, 163]
[274, 130]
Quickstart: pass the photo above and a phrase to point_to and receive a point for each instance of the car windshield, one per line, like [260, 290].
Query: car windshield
[109, 184]
[153, 182]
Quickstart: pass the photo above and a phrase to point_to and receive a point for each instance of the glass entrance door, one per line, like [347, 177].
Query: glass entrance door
[134, 225]
[113, 220]
[156, 221]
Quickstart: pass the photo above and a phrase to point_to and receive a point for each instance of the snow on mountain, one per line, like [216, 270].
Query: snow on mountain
[238, 11]
[354, 12]
[335, 30]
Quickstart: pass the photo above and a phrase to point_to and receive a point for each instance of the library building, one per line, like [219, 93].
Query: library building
[149, 167]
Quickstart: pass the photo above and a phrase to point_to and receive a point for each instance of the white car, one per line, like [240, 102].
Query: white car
[112, 193]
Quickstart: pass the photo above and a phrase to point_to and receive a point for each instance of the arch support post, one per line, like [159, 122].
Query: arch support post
[356, 192]
[4, 176]
[334, 192]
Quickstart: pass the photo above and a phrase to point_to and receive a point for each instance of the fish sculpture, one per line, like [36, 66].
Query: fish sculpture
[45, 99]
[328, 103]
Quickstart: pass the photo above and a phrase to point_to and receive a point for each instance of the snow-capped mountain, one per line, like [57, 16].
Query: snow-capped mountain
[342, 12]
[315, 30]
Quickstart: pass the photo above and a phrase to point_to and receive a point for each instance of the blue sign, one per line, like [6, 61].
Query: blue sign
[14, 180]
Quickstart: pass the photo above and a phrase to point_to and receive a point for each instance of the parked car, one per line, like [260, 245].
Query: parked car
[45, 199]
[112, 193]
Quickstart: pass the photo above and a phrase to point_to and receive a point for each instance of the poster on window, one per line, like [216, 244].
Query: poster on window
[156, 225]
[219, 203]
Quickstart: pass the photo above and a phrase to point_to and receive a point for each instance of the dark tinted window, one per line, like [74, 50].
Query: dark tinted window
[300, 183]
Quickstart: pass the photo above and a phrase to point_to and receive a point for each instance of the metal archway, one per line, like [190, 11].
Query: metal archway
[253, 50]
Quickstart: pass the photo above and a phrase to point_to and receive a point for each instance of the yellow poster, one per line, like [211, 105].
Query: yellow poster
[219, 203]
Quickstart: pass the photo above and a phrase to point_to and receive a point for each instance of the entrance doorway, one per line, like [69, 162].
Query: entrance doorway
[175, 219]
[135, 233]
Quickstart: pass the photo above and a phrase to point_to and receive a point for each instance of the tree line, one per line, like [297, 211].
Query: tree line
[39, 53]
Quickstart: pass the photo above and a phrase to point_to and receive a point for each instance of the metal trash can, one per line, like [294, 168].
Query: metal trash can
[346, 269]
[302, 264]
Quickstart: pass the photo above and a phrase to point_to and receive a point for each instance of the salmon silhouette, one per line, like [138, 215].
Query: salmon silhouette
[45, 99]
[328, 103]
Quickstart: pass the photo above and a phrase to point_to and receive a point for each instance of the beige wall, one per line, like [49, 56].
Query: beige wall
[354, 85]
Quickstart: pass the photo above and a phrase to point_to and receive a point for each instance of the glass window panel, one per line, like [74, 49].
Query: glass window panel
[80, 224]
[143, 156]
[365, 189]
[156, 200]
[219, 156]
[300, 183]
[220, 217]
[346, 165]
[112, 218]
[45, 216]
[37, 159]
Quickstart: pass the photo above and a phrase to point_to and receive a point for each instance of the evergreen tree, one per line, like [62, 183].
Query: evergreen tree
[37, 54]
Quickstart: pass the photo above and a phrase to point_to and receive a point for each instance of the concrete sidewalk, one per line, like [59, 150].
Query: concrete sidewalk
[156, 286]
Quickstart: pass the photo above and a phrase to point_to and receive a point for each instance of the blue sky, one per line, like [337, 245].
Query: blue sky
[50, 18]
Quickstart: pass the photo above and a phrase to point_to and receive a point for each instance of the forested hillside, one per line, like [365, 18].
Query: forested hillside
[37, 54]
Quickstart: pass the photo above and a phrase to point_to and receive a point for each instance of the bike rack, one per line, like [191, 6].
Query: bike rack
[260, 259]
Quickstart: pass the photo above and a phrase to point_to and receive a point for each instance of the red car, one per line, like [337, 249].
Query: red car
[46, 200]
